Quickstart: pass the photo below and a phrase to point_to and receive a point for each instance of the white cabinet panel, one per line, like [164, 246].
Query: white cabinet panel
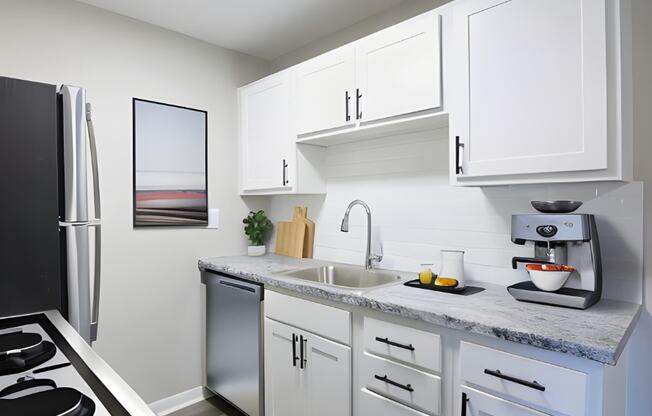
[283, 376]
[305, 374]
[328, 373]
[557, 388]
[530, 86]
[266, 133]
[372, 404]
[406, 385]
[481, 404]
[324, 89]
[324, 320]
[398, 70]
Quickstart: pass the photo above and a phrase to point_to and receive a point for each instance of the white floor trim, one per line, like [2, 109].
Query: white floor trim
[186, 398]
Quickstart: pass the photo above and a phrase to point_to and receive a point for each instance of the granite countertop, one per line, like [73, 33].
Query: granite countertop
[598, 333]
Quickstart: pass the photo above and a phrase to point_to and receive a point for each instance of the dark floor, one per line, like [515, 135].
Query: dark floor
[213, 406]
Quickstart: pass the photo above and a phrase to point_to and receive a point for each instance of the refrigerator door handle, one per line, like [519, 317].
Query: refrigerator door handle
[95, 170]
[95, 311]
[98, 228]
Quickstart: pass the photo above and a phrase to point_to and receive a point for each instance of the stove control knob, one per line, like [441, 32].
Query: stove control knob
[547, 231]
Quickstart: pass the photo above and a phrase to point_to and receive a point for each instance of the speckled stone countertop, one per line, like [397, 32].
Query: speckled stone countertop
[598, 333]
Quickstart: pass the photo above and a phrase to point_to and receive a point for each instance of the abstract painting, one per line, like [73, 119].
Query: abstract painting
[170, 181]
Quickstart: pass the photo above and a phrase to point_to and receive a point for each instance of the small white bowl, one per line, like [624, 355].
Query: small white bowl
[549, 277]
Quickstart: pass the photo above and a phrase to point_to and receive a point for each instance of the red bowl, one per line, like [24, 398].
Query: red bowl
[550, 267]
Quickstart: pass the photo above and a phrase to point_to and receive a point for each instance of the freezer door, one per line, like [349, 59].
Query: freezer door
[79, 290]
[74, 148]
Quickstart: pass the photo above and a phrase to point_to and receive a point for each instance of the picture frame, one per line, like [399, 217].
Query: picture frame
[170, 165]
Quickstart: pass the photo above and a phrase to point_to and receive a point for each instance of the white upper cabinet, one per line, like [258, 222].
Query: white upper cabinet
[324, 88]
[266, 133]
[271, 162]
[398, 70]
[364, 87]
[529, 97]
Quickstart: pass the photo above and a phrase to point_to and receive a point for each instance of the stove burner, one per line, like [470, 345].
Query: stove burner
[27, 359]
[52, 402]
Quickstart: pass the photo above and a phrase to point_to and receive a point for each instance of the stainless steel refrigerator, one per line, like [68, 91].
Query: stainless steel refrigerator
[50, 236]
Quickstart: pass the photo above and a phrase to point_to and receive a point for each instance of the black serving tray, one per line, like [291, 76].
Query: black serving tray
[467, 290]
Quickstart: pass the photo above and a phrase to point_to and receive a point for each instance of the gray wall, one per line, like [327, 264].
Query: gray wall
[640, 365]
[151, 319]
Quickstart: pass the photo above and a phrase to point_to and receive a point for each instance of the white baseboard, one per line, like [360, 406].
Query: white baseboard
[186, 398]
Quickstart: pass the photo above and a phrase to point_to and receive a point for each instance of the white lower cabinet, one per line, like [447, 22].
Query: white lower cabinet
[477, 403]
[283, 377]
[404, 384]
[305, 374]
[372, 404]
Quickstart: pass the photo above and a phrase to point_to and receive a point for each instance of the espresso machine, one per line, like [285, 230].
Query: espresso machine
[566, 239]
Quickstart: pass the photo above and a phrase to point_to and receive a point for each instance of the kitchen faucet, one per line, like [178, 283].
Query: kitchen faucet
[369, 258]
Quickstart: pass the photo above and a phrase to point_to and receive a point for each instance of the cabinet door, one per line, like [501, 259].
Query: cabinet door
[482, 404]
[284, 394]
[530, 86]
[324, 91]
[266, 133]
[328, 377]
[398, 69]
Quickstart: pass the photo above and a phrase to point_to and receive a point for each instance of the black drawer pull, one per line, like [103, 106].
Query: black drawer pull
[458, 163]
[464, 400]
[530, 384]
[294, 350]
[387, 380]
[347, 116]
[395, 344]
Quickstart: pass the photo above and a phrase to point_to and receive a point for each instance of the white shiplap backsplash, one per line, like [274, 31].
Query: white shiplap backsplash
[416, 213]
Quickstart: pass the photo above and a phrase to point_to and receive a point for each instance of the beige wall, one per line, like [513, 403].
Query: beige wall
[151, 320]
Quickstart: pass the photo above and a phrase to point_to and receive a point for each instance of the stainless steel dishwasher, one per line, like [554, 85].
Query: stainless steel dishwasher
[234, 341]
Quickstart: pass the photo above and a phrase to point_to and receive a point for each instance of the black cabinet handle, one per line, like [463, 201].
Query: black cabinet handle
[285, 165]
[387, 380]
[458, 167]
[358, 113]
[302, 360]
[395, 344]
[531, 384]
[294, 350]
[464, 400]
[347, 98]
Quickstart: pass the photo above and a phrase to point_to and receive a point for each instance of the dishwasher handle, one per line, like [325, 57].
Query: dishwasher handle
[232, 282]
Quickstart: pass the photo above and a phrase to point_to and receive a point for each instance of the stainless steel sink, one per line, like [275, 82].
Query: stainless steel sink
[349, 277]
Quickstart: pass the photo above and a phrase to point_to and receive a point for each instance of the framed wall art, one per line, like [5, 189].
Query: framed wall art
[170, 165]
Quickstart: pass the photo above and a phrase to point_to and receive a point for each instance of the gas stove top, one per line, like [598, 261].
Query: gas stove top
[42, 375]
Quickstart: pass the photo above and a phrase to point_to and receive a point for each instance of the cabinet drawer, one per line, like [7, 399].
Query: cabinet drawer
[374, 404]
[482, 404]
[319, 319]
[402, 343]
[404, 384]
[546, 385]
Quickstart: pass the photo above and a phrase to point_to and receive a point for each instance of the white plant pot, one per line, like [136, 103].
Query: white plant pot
[256, 250]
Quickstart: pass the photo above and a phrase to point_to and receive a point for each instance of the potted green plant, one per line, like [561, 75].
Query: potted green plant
[257, 225]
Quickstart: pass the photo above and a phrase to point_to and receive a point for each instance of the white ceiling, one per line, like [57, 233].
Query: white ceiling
[263, 28]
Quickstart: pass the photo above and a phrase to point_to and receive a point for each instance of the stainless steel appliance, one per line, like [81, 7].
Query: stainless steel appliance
[570, 239]
[234, 341]
[50, 243]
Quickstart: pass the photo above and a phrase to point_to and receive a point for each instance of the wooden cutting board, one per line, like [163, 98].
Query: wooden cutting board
[301, 214]
[289, 238]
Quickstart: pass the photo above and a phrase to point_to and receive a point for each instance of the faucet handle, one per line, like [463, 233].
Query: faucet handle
[376, 257]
